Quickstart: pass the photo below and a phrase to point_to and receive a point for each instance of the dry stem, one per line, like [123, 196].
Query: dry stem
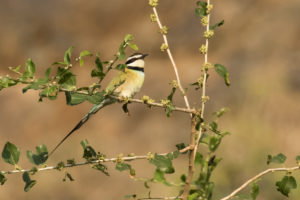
[191, 160]
[172, 61]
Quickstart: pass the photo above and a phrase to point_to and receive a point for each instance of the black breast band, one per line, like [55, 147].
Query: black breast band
[140, 69]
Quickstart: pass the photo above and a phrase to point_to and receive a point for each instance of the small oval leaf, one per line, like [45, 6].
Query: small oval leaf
[11, 153]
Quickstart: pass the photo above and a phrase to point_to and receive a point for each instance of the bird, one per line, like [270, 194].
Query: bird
[124, 85]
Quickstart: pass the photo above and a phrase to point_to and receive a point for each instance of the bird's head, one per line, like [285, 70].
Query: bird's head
[136, 60]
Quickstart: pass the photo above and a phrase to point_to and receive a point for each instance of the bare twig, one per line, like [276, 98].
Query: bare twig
[257, 177]
[172, 60]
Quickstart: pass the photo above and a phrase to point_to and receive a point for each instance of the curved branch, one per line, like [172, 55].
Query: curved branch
[172, 60]
[257, 177]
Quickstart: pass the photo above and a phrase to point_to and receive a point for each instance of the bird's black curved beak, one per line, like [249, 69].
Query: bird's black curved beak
[144, 55]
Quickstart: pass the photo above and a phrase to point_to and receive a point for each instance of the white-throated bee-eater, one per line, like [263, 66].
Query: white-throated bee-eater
[125, 85]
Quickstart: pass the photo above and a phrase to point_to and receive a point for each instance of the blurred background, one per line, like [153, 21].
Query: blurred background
[259, 44]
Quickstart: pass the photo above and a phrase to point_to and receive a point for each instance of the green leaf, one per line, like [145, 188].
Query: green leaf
[214, 143]
[170, 97]
[85, 53]
[132, 172]
[254, 191]
[193, 196]
[279, 159]
[59, 63]
[121, 67]
[128, 38]
[183, 178]
[29, 183]
[40, 157]
[214, 127]
[180, 146]
[163, 163]
[73, 98]
[3, 179]
[49, 92]
[89, 153]
[201, 10]
[169, 109]
[222, 71]
[122, 54]
[199, 159]
[84, 143]
[48, 72]
[68, 80]
[286, 184]
[133, 46]
[98, 64]
[159, 176]
[217, 25]
[205, 138]
[61, 165]
[175, 154]
[81, 62]
[101, 168]
[199, 121]
[96, 73]
[6, 82]
[221, 112]
[11, 153]
[33, 170]
[16, 69]
[67, 56]
[29, 68]
[35, 85]
[122, 166]
[97, 98]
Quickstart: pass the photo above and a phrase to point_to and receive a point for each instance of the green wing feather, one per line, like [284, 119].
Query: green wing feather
[116, 81]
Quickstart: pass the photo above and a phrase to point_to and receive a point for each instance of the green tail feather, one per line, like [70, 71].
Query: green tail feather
[93, 111]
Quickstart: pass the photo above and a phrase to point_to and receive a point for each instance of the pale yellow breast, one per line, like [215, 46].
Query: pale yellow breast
[132, 85]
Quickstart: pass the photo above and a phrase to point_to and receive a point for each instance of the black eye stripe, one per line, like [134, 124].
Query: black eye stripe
[131, 60]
